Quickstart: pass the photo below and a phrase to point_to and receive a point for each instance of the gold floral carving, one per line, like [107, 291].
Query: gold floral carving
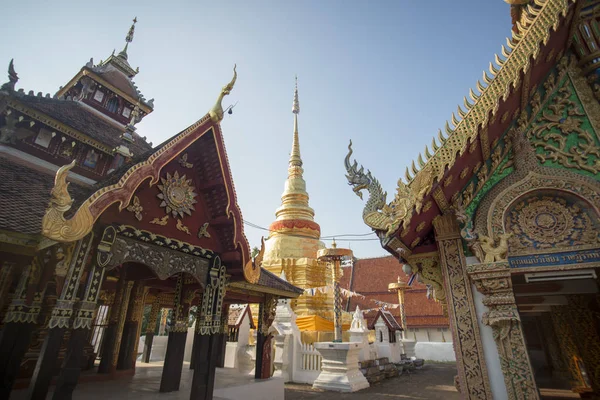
[495, 249]
[430, 273]
[177, 195]
[552, 128]
[494, 281]
[415, 242]
[440, 199]
[464, 172]
[473, 147]
[203, 231]
[448, 181]
[181, 227]
[420, 227]
[427, 206]
[183, 161]
[472, 371]
[136, 208]
[162, 221]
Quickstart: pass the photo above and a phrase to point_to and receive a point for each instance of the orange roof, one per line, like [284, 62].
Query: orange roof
[371, 276]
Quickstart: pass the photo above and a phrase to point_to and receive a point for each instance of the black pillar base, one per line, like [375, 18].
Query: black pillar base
[126, 355]
[195, 345]
[203, 382]
[108, 346]
[171, 375]
[14, 344]
[46, 365]
[148, 347]
[260, 343]
[69, 375]
[222, 341]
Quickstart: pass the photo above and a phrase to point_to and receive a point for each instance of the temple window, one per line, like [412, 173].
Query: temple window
[126, 112]
[43, 138]
[380, 336]
[99, 96]
[91, 159]
[113, 105]
[116, 162]
[392, 335]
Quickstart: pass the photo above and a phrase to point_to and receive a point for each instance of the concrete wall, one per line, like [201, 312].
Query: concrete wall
[433, 351]
[429, 334]
[159, 348]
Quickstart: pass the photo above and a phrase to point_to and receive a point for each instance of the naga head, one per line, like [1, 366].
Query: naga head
[357, 177]
[216, 113]
[60, 199]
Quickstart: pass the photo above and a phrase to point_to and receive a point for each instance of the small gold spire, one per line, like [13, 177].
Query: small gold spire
[128, 39]
[295, 159]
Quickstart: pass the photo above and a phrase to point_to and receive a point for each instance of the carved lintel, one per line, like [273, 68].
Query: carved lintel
[446, 227]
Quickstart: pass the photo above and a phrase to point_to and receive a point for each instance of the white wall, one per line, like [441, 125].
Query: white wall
[429, 335]
[432, 351]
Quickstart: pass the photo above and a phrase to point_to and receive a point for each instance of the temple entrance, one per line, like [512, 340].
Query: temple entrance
[559, 314]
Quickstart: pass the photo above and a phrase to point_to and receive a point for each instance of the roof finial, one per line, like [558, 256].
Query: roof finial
[216, 112]
[128, 39]
[12, 78]
[296, 106]
[295, 159]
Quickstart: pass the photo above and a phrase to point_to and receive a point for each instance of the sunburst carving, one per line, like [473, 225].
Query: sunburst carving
[177, 195]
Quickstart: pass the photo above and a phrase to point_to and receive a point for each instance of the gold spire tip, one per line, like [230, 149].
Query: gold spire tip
[296, 105]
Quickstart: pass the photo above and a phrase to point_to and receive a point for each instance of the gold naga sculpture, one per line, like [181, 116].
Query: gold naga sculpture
[377, 214]
[483, 247]
[253, 266]
[216, 112]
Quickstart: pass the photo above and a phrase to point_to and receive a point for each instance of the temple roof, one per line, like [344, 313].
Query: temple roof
[388, 319]
[78, 116]
[371, 276]
[237, 314]
[435, 178]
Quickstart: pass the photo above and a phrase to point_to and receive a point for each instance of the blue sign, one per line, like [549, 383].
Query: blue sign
[555, 259]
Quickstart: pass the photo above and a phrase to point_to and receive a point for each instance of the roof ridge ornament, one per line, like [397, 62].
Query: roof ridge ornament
[216, 112]
[13, 78]
[128, 39]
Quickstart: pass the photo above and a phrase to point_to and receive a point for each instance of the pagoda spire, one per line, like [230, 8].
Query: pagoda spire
[294, 200]
[128, 39]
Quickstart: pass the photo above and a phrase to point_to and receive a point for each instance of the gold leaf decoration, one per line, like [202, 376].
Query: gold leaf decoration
[136, 208]
[203, 231]
[162, 221]
[177, 195]
[181, 227]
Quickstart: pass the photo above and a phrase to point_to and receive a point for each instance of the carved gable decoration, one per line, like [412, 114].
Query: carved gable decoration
[550, 221]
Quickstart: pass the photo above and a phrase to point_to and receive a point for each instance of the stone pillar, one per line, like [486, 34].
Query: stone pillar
[208, 326]
[114, 331]
[152, 318]
[129, 341]
[583, 323]
[59, 322]
[472, 371]
[493, 280]
[19, 323]
[171, 375]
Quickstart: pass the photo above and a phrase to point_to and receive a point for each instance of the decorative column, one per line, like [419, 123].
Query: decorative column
[583, 322]
[400, 287]
[152, 318]
[266, 315]
[472, 371]
[208, 326]
[59, 322]
[223, 336]
[19, 323]
[493, 280]
[128, 349]
[171, 375]
[334, 257]
[114, 331]
[82, 325]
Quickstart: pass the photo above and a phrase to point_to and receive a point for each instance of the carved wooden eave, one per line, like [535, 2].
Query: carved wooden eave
[113, 196]
[434, 180]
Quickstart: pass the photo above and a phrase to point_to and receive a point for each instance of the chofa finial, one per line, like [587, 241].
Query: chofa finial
[12, 77]
[216, 112]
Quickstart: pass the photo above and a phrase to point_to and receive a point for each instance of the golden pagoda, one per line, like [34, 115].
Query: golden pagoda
[294, 236]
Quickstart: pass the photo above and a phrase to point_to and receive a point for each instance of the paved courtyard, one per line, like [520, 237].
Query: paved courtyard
[433, 381]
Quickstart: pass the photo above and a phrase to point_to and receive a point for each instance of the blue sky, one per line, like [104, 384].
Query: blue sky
[386, 74]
